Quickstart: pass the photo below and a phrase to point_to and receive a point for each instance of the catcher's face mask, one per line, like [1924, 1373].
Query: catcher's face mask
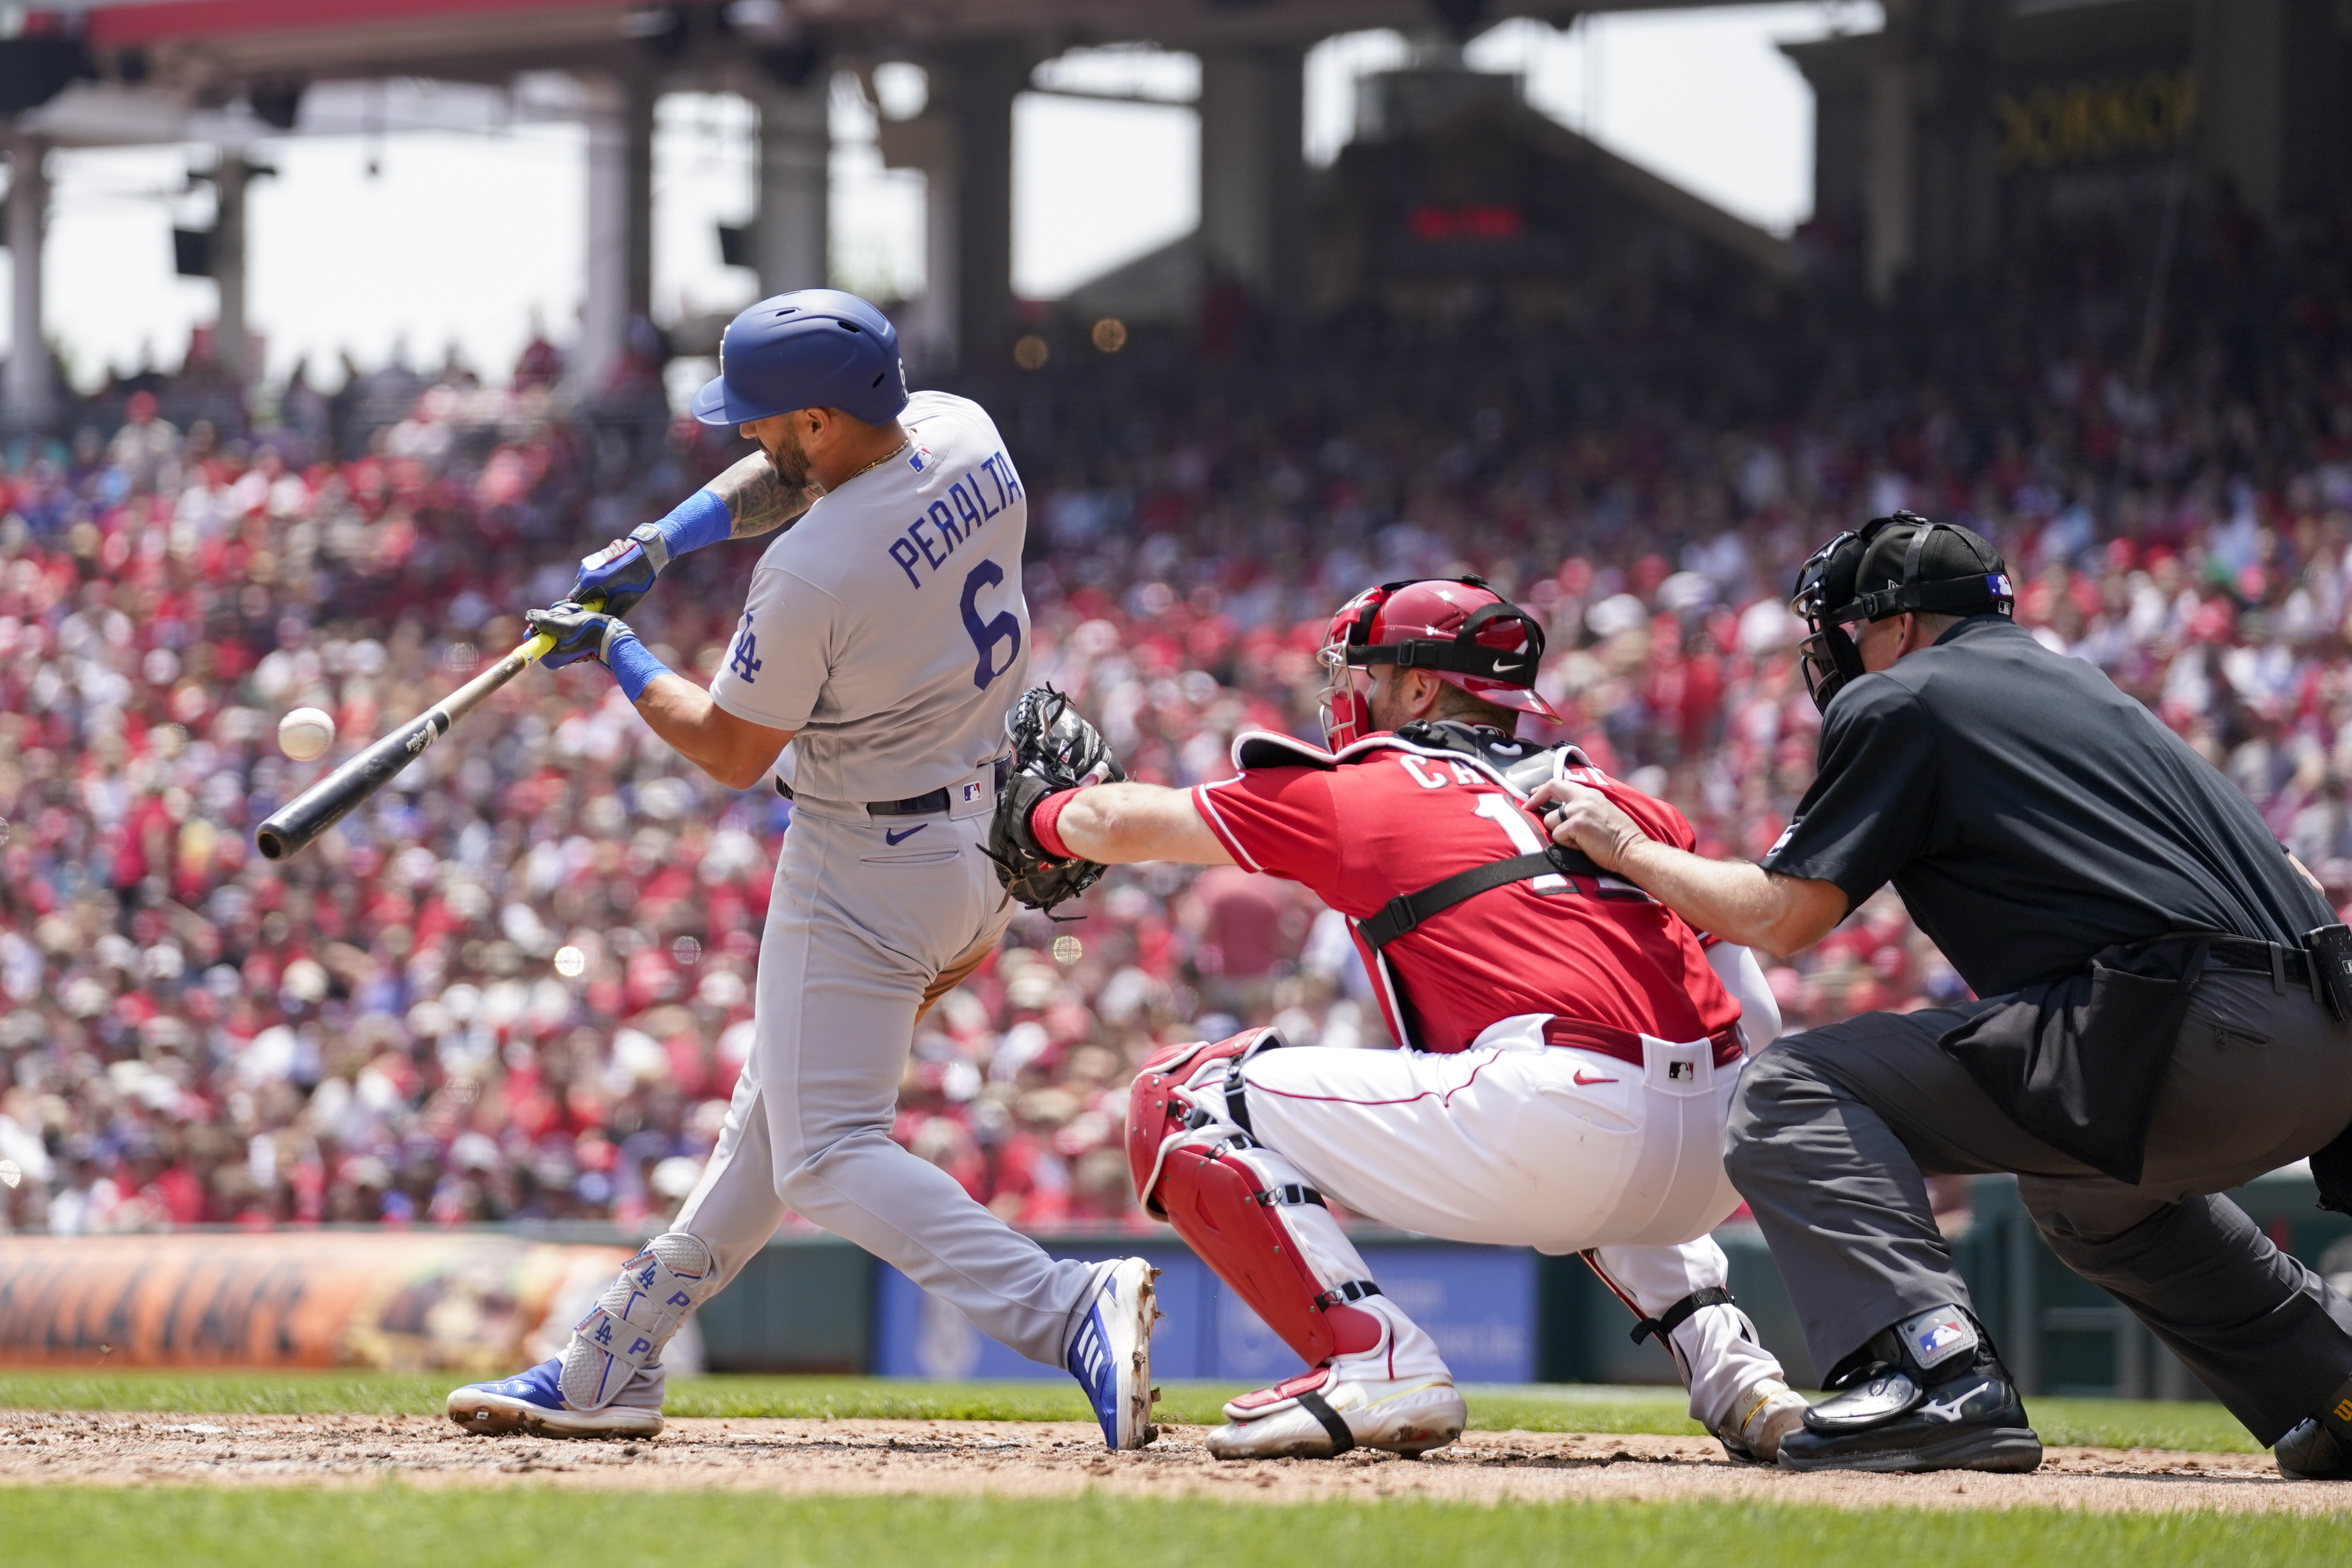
[1345, 704]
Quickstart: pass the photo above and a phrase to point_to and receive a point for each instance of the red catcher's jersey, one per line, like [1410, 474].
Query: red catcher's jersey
[1388, 819]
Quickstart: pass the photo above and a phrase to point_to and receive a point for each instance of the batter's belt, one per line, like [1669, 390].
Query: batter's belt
[927, 804]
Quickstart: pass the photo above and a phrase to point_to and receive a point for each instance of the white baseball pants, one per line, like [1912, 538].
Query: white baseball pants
[862, 934]
[1514, 1143]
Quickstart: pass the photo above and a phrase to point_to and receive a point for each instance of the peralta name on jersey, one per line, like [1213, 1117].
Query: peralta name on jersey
[956, 517]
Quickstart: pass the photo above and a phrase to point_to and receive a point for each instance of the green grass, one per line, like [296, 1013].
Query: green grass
[2197, 1428]
[2097, 1423]
[190, 1527]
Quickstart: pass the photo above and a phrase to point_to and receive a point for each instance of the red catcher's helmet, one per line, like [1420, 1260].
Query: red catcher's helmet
[1458, 629]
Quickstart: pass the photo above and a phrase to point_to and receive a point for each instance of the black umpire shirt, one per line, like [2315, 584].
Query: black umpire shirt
[2031, 815]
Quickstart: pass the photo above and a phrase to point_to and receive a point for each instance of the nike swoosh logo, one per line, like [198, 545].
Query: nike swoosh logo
[1503, 667]
[897, 839]
[1584, 1082]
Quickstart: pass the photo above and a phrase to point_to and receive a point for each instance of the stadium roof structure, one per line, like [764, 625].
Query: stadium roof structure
[95, 72]
[1962, 129]
[339, 34]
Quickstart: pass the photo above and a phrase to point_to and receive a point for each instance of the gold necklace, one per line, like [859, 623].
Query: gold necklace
[879, 460]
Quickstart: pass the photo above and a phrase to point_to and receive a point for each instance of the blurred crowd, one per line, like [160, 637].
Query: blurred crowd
[516, 986]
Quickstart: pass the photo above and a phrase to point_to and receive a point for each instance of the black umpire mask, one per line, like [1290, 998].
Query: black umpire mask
[1891, 565]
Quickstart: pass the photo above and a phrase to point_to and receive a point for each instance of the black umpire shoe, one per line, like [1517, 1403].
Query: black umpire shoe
[2311, 1453]
[2320, 1449]
[1929, 1395]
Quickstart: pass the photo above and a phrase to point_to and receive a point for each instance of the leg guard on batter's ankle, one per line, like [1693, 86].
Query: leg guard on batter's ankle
[637, 1315]
[1196, 1166]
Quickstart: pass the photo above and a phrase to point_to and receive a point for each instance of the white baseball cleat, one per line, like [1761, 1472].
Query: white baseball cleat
[1324, 1413]
[1765, 1414]
[533, 1402]
[1111, 1356]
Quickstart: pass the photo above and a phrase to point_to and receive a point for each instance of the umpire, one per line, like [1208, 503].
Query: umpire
[2160, 1021]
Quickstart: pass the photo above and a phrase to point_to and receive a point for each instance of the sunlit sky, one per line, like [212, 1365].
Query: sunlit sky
[415, 241]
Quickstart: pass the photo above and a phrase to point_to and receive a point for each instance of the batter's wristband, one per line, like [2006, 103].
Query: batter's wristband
[633, 665]
[1045, 823]
[700, 519]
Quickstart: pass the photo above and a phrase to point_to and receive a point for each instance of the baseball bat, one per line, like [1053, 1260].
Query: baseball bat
[292, 826]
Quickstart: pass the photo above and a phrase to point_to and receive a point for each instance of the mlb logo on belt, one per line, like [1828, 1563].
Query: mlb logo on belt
[971, 792]
[1677, 1071]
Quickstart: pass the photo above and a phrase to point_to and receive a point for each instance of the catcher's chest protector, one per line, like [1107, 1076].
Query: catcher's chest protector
[1192, 1167]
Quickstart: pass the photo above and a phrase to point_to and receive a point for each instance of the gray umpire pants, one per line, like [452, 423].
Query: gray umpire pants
[1834, 1128]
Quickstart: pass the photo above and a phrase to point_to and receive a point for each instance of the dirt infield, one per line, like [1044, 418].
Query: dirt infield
[1025, 1460]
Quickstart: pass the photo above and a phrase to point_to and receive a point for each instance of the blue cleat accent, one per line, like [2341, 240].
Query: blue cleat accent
[533, 1402]
[1111, 1356]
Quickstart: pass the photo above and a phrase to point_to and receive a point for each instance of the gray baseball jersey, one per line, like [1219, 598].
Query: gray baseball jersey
[888, 628]
[887, 625]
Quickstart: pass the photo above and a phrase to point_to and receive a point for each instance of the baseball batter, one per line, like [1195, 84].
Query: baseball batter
[884, 639]
[1572, 1047]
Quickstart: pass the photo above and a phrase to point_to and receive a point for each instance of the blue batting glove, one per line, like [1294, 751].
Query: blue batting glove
[581, 633]
[623, 572]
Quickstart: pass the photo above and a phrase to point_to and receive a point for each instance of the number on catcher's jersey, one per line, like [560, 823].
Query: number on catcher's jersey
[1492, 804]
[1504, 811]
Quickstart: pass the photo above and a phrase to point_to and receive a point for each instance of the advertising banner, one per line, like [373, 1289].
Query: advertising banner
[399, 1299]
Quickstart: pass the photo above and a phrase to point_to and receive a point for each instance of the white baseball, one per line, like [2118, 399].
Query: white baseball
[306, 733]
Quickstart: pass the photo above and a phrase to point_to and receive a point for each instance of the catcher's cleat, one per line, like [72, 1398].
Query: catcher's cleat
[1763, 1416]
[1111, 1356]
[533, 1402]
[1322, 1414]
[1932, 1395]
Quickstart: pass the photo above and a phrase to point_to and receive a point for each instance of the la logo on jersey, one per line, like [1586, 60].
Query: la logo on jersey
[745, 660]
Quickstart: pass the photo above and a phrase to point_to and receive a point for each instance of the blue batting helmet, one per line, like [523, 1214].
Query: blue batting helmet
[815, 348]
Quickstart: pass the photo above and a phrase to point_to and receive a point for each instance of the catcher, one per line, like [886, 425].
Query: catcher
[1571, 1046]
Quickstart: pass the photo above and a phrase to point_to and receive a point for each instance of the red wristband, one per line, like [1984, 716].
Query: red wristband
[1044, 819]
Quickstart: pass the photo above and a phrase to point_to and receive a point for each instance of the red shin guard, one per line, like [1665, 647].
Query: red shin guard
[1201, 1183]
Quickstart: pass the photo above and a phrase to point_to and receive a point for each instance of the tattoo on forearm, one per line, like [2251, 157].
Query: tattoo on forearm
[757, 500]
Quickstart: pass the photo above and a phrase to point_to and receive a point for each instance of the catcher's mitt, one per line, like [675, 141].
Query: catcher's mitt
[1054, 748]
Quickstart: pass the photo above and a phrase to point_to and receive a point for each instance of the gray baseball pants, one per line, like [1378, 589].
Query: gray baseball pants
[1834, 1128]
[863, 936]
